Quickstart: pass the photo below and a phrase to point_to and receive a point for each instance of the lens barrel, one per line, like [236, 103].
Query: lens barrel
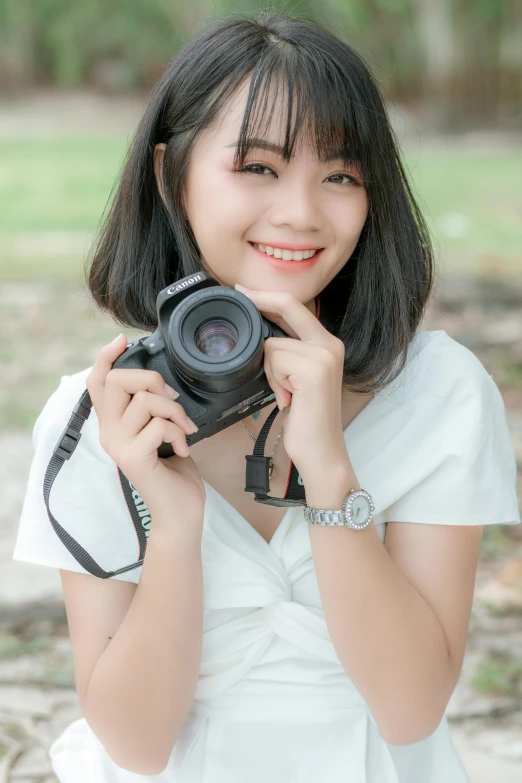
[215, 339]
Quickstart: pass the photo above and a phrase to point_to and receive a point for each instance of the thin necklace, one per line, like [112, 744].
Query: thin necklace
[271, 463]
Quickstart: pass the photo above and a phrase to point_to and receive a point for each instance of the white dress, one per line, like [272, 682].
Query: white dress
[273, 702]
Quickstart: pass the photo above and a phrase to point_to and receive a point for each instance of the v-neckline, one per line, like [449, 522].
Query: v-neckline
[245, 521]
[277, 531]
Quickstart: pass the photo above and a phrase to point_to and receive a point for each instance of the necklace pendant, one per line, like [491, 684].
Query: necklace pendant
[270, 467]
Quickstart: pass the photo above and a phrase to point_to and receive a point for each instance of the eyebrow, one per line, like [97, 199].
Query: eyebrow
[262, 144]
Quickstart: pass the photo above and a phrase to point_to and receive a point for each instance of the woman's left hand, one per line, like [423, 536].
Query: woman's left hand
[306, 376]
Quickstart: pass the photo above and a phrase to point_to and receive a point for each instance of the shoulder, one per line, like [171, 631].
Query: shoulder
[440, 368]
[446, 441]
[443, 401]
[449, 355]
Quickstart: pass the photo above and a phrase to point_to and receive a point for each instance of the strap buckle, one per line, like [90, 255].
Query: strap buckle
[82, 410]
[68, 441]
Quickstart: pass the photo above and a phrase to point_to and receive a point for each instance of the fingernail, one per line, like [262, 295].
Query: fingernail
[117, 338]
[172, 392]
[241, 287]
[194, 426]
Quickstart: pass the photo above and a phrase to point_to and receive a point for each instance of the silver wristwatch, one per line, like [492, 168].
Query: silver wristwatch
[356, 512]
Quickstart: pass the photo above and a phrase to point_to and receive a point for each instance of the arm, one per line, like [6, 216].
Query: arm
[143, 685]
[397, 613]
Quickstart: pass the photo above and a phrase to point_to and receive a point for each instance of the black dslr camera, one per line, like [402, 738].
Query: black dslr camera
[209, 347]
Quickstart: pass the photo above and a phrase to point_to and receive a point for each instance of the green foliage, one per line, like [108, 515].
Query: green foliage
[13, 647]
[499, 675]
[66, 39]
[63, 41]
[494, 541]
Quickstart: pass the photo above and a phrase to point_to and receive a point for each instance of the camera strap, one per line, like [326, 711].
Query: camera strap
[63, 451]
[257, 481]
[257, 473]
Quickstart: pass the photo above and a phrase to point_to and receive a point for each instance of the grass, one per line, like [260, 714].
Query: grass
[53, 193]
[56, 184]
[495, 541]
[52, 196]
[473, 204]
[499, 674]
[13, 647]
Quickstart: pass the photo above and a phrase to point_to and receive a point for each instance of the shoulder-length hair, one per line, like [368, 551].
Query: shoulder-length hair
[377, 300]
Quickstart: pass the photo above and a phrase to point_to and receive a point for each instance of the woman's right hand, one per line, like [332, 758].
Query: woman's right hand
[136, 414]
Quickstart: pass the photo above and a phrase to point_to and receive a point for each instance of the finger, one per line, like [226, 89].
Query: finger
[292, 372]
[144, 406]
[315, 355]
[280, 386]
[160, 431]
[312, 350]
[278, 320]
[295, 314]
[102, 365]
[121, 384]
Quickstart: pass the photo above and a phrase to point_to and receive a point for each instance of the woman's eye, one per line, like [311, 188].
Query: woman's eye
[256, 166]
[353, 181]
[251, 166]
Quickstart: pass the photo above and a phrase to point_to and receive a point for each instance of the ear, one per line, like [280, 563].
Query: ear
[159, 152]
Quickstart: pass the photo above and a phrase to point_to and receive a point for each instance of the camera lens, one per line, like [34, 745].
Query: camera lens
[216, 338]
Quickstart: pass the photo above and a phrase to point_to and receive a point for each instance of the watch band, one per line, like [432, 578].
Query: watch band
[342, 516]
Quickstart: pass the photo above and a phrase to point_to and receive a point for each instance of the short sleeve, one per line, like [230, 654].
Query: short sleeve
[86, 498]
[451, 457]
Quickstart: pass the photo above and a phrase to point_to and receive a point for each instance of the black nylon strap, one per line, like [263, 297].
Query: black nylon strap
[63, 451]
[256, 472]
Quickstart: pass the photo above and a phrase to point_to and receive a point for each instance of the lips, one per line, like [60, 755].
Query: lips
[287, 246]
[259, 246]
[289, 266]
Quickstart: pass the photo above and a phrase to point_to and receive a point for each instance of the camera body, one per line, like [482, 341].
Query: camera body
[209, 346]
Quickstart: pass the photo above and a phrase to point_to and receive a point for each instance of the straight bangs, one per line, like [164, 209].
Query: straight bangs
[319, 111]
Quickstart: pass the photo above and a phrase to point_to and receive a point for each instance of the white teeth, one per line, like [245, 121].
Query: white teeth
[286, 255]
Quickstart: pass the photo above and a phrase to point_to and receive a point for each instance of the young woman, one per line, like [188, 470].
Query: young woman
[253, 645]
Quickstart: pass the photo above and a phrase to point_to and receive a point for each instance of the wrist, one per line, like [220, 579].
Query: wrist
[174, 507]
[178, 518]
[329, 489]
[164, 535]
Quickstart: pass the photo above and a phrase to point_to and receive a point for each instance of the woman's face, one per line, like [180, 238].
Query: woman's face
[305, 203]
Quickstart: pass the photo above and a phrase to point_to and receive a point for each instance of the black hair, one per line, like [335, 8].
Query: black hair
[377, 300]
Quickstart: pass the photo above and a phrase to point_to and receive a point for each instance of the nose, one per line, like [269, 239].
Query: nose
[297, 208]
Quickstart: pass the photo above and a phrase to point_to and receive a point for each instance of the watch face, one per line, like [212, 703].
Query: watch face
[360, 510]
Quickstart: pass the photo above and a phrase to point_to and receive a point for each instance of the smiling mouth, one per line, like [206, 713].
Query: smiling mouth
[285, 255]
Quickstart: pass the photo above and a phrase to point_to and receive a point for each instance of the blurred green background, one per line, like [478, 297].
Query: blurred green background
[451, 73]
